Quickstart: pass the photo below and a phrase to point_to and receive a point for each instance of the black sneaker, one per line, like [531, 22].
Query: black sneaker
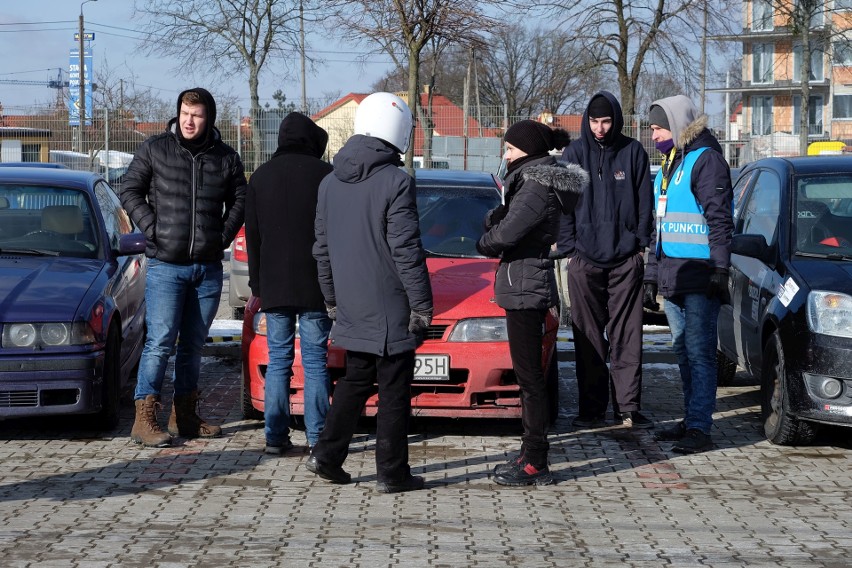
[633, 419]
[525, 473]
[672, 433]
[327, 472]
[278, 449]
[509, 465]
[693, 441]
[413, 483]
[598, 421]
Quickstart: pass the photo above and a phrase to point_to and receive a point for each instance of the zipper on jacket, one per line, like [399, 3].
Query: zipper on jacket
[193, 194]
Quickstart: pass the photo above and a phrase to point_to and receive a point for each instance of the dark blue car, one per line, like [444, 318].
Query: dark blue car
[789, 323]
[72, 295]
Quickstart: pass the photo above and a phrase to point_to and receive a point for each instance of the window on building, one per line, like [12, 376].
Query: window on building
[814, 114]
[762, 63]
[30, 152]
[761, 115]
[842, 52]
[761, 15]
[817, 8]
[843, 4]
[817, 67]
[842, 107]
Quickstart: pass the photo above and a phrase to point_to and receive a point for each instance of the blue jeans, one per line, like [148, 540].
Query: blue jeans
[314, 327]
[692, 320]
[181, 301]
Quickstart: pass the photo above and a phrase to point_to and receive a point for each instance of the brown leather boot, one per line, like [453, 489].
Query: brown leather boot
[145, 430]
[183, 420]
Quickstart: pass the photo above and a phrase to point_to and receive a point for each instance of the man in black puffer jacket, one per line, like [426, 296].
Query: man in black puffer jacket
[280, 209]
[185, 189]
[521, 233]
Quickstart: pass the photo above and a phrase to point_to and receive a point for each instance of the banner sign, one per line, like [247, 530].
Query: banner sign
[74, 86]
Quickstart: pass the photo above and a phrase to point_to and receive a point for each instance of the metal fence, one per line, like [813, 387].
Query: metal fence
[445, 136]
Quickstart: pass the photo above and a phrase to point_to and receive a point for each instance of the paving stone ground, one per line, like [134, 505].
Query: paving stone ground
[75, 498]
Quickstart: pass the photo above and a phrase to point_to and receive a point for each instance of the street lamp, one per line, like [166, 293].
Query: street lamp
[82, 79]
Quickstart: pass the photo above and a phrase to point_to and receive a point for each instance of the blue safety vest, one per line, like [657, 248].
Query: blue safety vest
[682, 232]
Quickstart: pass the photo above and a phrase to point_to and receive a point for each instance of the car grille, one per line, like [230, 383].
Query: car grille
[10, 399]
[436, 331]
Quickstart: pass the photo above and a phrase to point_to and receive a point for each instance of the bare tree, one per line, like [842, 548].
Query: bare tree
[225, 36]
[531, 71]
[812, 28]
[628, 36]
[404, 29]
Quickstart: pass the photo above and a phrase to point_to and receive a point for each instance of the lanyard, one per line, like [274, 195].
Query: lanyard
[667, 161]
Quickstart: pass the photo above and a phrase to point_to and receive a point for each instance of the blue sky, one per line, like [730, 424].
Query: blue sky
[36, 35]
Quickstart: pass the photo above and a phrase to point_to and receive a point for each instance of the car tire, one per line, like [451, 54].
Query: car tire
[249, 411]
[779, 426]
[726, 370]
[107, 417]
[552, 382]
[238, 313]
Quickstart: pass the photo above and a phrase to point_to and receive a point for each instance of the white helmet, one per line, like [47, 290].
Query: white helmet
[385, 116]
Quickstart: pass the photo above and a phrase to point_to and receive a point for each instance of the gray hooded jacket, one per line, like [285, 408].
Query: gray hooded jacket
[370, 261]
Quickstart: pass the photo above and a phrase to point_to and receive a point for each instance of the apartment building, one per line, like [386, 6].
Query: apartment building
[771, 75]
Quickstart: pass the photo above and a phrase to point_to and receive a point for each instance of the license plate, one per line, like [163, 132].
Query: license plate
[432, 368]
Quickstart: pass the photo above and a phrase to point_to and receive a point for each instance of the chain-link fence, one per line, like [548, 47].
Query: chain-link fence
[446, 136]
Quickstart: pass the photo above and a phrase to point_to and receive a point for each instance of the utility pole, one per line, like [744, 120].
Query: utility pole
[82, 75]
[302, 36]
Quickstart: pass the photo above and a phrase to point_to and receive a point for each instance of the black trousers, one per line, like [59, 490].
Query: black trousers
[607, 300]
[525, 329]
[394, 374]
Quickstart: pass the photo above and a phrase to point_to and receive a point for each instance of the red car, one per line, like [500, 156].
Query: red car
[463, 369]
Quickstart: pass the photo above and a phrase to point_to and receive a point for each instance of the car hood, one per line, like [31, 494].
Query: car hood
[463, 288]
[823, 274]
[43, 288]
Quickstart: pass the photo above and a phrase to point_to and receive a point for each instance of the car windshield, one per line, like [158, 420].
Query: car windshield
[823, 215]
[451, 217]
[45, 220]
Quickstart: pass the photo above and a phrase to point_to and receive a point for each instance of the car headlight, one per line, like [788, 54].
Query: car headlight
[830, 313]
[480, 329]
[51, 334]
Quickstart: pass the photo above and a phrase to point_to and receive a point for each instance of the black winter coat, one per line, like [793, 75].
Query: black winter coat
[370, 260]
[614, 216]
[281, 207]
[189, 207]
[523, 237]
[711, 185]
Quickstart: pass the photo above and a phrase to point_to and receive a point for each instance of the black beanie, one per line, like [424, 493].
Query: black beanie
[600, 107]
[530, 136]
[659, 117]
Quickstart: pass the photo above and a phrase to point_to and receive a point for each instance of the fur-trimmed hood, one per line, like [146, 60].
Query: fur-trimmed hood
[685, 122]
[568, 179]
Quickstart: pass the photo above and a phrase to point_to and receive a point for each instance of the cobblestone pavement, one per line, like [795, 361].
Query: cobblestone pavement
[75, 498]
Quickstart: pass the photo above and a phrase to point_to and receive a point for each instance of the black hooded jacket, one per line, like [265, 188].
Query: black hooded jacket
[281, 206]
[190, 205]
[613, 218]
[370, 260]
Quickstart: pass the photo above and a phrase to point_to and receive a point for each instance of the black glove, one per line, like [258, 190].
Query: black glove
[418, 321]
[649, 297]
[718, 285]
[495, 216]
[332, 312]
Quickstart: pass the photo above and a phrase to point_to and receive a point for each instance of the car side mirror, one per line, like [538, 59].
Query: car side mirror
[753, 246]
[134, 243]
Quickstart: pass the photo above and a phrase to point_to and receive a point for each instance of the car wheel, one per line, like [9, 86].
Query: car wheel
[552, 382]
[239, 313]
[107, 417]
[726, 370]
[249, 411]
[779, 426]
